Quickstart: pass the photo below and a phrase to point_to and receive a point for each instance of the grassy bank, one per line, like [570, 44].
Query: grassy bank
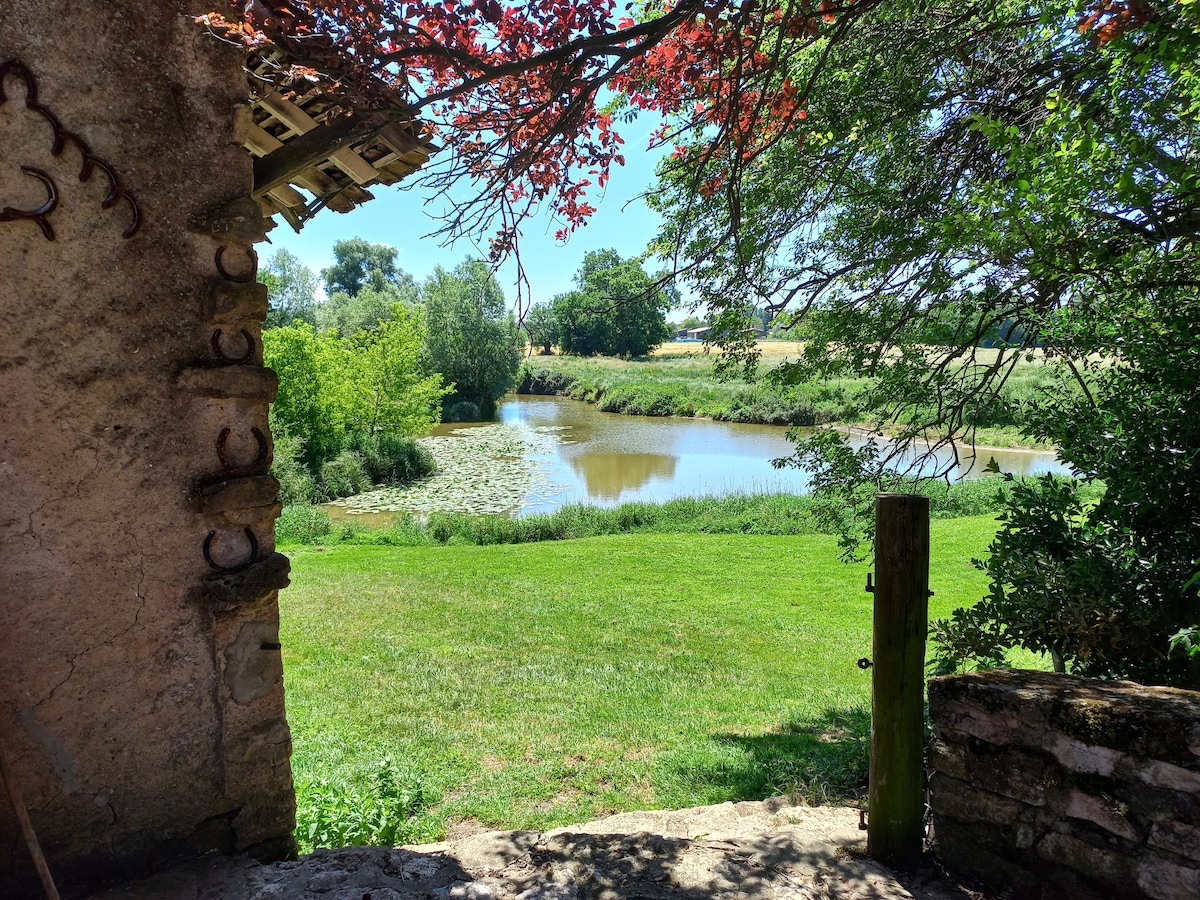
[535, 685]
[683, 384]
[771, 514]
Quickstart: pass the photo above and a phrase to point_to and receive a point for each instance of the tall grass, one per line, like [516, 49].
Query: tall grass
[766, 514]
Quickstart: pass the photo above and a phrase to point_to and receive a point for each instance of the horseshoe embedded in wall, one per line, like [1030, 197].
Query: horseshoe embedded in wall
[260, 461]
[220, 353]
[240, 567]
[250, 253]
[9, 214]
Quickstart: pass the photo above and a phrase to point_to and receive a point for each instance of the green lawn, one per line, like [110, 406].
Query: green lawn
[533, 685]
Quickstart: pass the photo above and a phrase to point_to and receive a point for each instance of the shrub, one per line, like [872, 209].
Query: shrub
[462, 411]
[296, 484]
[343, 476]
[302, 523]
[393, 459]
[545, 381]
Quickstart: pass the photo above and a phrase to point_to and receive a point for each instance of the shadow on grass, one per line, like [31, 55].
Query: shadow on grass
[823, 759]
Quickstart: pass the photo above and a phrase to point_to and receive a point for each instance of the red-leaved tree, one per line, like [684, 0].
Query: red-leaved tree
[524, 95]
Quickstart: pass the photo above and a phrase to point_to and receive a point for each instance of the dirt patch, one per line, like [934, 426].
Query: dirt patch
[771, 850]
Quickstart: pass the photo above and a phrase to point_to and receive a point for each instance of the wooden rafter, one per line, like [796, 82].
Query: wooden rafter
[301, 144]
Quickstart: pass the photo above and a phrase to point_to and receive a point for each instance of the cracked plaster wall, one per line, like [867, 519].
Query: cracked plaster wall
[141, 696]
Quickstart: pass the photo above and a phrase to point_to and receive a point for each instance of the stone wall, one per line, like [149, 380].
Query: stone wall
[141, 695]
[1049, 786]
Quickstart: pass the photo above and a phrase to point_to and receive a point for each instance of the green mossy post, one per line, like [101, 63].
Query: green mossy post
[895, 829]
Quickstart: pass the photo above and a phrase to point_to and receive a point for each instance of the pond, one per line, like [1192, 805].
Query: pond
[545, 452]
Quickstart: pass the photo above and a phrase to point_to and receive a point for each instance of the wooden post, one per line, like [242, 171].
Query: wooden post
[895, 827]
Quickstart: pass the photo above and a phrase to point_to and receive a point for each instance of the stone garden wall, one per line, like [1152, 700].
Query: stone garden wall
[1049, 786]
[141, 694]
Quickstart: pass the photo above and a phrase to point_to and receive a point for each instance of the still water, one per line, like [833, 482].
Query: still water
[604, 458]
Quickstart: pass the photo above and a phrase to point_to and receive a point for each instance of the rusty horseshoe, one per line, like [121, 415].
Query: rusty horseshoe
[254, 468]
[240, 567]
[220, 353]
[225, 274]
[9, 214]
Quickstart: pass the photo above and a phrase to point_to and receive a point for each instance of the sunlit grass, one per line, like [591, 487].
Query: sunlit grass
[534, 685]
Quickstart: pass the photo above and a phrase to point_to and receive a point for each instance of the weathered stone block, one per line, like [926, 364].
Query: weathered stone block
[240, 590]
[253, 665]
[1176, 837]
[232, 302]
[237, 493]
[1092, 809]
[968, 803]
[230, 382]
[1098, 864]
[239, 220]
[1164, 880]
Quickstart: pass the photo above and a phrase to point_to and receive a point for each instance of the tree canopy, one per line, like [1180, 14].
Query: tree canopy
[616, 310]
[471, 336]
[908, 181]
[291, 291]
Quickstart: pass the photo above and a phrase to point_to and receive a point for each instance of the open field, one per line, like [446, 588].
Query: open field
[532, 685]
[681, 382]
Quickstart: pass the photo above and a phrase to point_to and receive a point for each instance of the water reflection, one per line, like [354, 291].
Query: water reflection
[606, 459]
[581, 455]
[608, 476]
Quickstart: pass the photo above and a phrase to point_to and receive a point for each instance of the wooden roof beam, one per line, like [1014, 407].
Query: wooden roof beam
[308, 149]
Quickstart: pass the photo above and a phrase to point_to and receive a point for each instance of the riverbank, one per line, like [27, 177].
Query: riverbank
[684, 384]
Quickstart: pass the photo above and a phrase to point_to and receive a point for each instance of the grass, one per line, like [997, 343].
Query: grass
[683, 384]
[529, 686]
[775, 514]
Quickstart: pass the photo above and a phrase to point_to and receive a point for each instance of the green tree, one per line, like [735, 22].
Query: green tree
[616, 310]
[332, 388]
[392, 392]
[349, 314]
[979, 174]
[471, 336]
[306, 407]
[291, 291]
[359, 263]
[541, 325]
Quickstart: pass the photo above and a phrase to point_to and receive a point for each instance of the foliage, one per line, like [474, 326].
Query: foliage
[359, 264]
[616, 310]
[376, 808]
[1014, 180]
[291, 291]
[772, 514]
[390, 458]
[343, 476]
[1108, 586]
[541, 325]
[296, 485]
[346, 405]
[470, 335]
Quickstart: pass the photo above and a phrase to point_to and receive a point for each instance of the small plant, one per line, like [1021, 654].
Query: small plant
[296, 484]
[381, 807]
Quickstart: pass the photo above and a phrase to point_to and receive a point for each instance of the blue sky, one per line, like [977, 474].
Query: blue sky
[403, 218]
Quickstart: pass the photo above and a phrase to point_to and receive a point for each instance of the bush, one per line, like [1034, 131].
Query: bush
[296, 485]
[393, 459]
[462, 411]
[302, 523]
[382, 807]
[343, 476]
[545, 382]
